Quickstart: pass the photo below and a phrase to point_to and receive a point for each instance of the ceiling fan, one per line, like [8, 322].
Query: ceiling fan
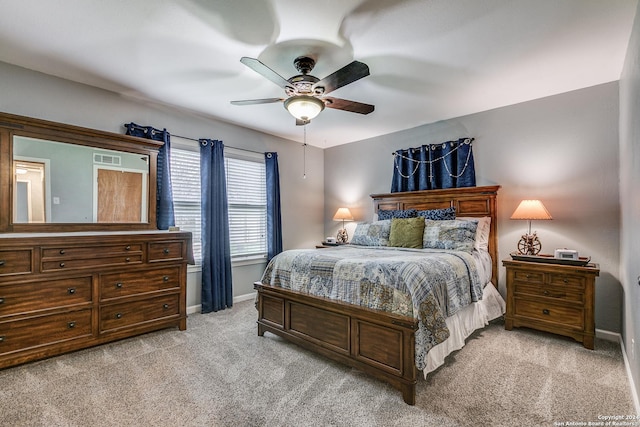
[306, 94]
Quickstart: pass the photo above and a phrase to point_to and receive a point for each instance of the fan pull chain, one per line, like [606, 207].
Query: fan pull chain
[304, 154]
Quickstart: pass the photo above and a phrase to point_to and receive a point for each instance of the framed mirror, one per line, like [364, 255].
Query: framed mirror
[67, 178]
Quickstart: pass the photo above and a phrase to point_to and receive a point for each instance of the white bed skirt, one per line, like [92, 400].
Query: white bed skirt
[463, 323]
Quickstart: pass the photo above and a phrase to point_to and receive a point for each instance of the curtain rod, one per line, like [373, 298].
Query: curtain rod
[403, 149]
[235, 148]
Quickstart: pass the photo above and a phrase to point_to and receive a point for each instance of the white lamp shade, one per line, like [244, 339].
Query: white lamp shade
[343, 214]
[531, 209]
[304, 107]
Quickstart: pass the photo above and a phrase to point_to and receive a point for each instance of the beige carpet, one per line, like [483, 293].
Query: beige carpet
[220, 373]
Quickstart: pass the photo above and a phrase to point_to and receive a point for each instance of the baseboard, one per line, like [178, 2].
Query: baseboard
[608, 335]
[197, 308]
[627, 366]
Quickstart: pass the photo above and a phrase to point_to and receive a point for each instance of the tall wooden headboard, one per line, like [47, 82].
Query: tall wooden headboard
[468, 201]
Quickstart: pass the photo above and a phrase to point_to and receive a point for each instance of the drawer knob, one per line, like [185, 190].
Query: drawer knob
[165, 278]
[71, 325]
[546, 311]
[165, 306]
[546, 293]
[1, 262]
[127, 259]
[565, 280]
[119, 285]
[118, 315]
[127, 248]
[61, 251]
[166, 251]
[1, 300]
[1, 338]
[71, 291]
[62, 265]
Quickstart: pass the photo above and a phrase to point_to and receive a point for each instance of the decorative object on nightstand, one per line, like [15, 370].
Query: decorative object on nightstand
[552, 297]
[529, 244]
[342, 214]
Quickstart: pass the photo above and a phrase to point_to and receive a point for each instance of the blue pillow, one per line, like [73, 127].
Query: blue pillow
[390, 214]
[438, 214]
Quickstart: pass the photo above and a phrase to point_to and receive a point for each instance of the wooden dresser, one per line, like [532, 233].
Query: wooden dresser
[67, 291]
[553, 298]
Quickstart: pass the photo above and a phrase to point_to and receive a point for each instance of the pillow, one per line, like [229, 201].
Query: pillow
[439, 214]
[374, 234]
[456, 235]
[482, 233]
[406, 232]
[408, 213]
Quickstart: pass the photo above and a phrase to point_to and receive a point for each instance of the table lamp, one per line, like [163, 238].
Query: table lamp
[529, 244]
[343, 214]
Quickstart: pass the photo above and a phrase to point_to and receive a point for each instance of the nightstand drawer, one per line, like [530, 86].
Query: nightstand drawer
[556, 292]
[568, 316]
[528, 276]
[567, 280]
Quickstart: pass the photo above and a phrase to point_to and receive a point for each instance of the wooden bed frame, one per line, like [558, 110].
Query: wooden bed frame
[378, 343]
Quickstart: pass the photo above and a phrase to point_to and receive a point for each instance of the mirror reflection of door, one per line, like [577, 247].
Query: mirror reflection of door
[29, 192]
[119, 195]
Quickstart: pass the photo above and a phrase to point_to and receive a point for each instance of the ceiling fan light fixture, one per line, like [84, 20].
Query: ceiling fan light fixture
[304, 107]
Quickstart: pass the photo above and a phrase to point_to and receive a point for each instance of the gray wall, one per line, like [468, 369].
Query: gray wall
[33, 94]
[561, 149]
[630, 199]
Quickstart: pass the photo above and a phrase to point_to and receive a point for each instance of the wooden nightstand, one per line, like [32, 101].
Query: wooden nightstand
[552, 297]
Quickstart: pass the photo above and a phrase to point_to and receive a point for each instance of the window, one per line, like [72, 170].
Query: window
[247, 199]
[185, 183]
[246, 196]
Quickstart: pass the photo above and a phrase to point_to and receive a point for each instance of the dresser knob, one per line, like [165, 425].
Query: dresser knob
[565, 280]
[546, 293]
[71, 291]
[118, 315]
[1, 300]
[166, 251]
[119, 285]
[62, 265]
[1, 338]
[165, 306]
[71, 325]
[165, 278]
[127, 259]
[545, 311]
[61, 251]
[1, 262]
[127, 248]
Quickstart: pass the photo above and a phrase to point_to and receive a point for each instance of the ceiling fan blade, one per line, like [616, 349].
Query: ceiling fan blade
[256, 101]
[345, 75]
[265, 71]
[346, 105]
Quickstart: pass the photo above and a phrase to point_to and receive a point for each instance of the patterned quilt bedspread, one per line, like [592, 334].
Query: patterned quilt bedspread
[426, 284]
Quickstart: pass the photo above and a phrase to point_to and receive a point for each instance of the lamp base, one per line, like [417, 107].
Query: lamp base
[529, 244]
[342, 236]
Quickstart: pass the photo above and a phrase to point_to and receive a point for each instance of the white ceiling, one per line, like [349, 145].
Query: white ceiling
[429, 59]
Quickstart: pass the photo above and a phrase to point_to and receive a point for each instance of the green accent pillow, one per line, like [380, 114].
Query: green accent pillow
[406, 232]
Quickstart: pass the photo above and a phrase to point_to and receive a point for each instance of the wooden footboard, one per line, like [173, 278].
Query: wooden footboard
[378, 343]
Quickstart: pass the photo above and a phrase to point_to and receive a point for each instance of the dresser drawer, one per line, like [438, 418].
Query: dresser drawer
[528, 276]
[556, 292]
[567, 280]
[139, 282]
[79, 263]
[39, 331]
[566, 315]
[68, 252]
[28, 297]
[165, 251]
[14, 262]
[131, 313]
